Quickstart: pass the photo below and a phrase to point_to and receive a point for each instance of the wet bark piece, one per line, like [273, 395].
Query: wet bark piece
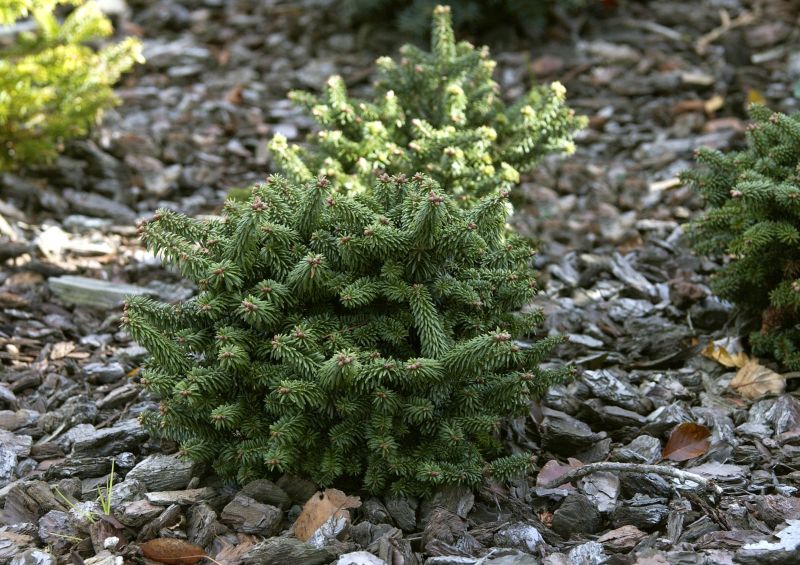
[576, 515]
[267, 492]
[287, 551]
[162, 472]
[248, 516]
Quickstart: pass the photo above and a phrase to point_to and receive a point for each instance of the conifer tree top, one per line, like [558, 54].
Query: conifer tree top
[437, 111]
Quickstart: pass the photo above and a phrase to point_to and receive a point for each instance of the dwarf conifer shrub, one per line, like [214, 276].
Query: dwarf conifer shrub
[371, 337]
[53, 86]
[438, 112]
[753, 221]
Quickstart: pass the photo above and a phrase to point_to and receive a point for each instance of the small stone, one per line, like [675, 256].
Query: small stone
[33, 557]
[649, 484]
[104, 373]
[565, 435]
[13, 544]
[643, 449]
[93, 204]
[286, 551]
[375, 512]
[590, 553]
[642, 511]
[622, 539]
[81, 467]
[55, 528]
[123, 436]
[611, 52]
[767, 34]
[92, 292]
[342, 42]
[613, 388]
[156, 178]
[249, 516]
[162, 472]
[137, 513]
[119, 396]
[14, 420]
[298, 489]
[577, 515]
[202, 525]
[267, 492]
[180, 497]
[519, 535]
[710, 313]
[105, 557]
[602, 489]
[316, 73]
[125, 492]
[360, 558]
[170, 517]
[403, 512]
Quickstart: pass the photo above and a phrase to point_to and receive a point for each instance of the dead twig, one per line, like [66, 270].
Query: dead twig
[727, 24]
[683, 476]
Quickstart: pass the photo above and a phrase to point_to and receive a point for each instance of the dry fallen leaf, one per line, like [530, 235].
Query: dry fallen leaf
[552, 470]
[171, 551]
[61, 350]
[687, 441]
[234, 95]
[754, 380]
[320, 508]
[726, 352]
[713, 104]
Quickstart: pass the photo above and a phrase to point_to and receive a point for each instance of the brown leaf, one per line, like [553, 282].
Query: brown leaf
[320, 508]
[754, 380]
[171, 551]
[11, 300]
[553, 470]
[688, 440]
[726, 352]
[714, 103]
[61, 349]
[234, 95]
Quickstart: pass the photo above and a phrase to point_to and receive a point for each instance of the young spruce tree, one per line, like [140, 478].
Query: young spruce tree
[438, 112]
[371, 336]
[754, 222]
[53, 86]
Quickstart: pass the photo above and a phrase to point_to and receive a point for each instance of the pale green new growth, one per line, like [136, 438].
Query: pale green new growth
[53, 86]
[439, 112]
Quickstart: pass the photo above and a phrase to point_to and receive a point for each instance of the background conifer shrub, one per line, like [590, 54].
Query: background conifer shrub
[753, 220]
[438, 112]
[53, 86]
[411, 16]
[371, 337]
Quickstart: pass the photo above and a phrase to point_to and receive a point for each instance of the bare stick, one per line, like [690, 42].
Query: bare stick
[727, 24]
[683, 476]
